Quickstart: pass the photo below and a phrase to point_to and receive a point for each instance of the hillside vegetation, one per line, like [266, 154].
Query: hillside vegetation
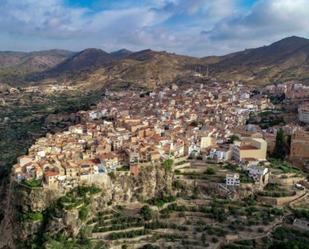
[285, 60]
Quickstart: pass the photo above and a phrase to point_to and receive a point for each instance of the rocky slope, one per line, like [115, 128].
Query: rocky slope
[40, 212]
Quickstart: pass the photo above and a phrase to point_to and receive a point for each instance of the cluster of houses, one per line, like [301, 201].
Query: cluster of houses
[131, 129]
[259, 175]
[251, 153]
[295, 99]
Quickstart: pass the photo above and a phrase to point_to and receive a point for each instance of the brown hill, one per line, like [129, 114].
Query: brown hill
[121, 54]
[87, 59]
[15, 65]
[287, 59]
[144, 69]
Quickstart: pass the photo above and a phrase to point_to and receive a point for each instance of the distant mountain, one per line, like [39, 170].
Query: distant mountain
[85, 60]
[15, 65]
[287, 59]
[145, 55]
[143, 69]
[37, 60]
[121, 54]
[94, 68]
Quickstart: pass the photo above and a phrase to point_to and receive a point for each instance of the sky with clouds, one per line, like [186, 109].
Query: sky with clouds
[193, 27]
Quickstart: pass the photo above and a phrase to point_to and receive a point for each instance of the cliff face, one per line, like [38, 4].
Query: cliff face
[31, 213]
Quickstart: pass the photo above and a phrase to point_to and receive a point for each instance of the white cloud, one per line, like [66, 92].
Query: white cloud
[203, 27]
[48, 18]
[268, 21]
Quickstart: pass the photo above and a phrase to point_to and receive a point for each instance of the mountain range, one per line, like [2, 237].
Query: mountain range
[287, 59]
[284, 60]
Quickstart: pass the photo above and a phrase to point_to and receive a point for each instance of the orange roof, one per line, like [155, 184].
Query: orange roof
[108, 155]
[248, 147]
[51, 173]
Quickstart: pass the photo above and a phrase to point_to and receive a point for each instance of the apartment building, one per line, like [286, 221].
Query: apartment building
[249, 148]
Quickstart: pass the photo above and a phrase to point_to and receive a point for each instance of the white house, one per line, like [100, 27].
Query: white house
[194, 150]
[259, 174]
[95, 115]
[220, 154]
[232, 179]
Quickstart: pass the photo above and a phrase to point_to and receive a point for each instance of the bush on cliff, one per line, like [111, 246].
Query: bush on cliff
[146, 212]
[167, 164]
[83, 213]
[35, 216]
[159, 202]
[33, 183]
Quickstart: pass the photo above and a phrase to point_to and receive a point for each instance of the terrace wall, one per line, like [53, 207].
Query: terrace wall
[280, 201]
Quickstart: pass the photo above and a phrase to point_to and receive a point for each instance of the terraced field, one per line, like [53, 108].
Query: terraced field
[182, 224]
[191, 219]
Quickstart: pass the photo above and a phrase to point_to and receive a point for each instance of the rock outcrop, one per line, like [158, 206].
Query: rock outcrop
[115, 189]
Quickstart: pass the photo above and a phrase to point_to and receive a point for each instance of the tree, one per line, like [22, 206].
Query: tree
[279, 151]
[203, 238]
[233, 138]
[167, 164]
[215, 240]
[149, 246]
[210, 171]
[146, 212]
[83, 213]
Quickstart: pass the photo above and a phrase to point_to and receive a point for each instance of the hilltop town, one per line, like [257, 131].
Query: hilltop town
[207, 122]
[148, 128]
[178, 151]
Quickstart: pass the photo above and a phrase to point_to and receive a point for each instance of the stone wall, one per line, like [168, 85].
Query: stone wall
[280, 201]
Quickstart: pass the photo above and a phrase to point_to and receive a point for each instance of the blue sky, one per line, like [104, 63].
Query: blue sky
[192, 27]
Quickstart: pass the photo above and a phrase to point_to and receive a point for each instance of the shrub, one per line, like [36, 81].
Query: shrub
[215, 240]
[261, 230]
[178, 185]
[83, 213]
[233, 138]
[146, 212]
[167, 164]
[301, 213]
[204, 238]
[112, 175]
[84, 190]
[150, 246]
[161, 201]
[33, 183]
[210, 171]
[36, 216]
[130, 234]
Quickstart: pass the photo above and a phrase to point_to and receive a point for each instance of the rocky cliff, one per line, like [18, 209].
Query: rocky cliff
[33, 214]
